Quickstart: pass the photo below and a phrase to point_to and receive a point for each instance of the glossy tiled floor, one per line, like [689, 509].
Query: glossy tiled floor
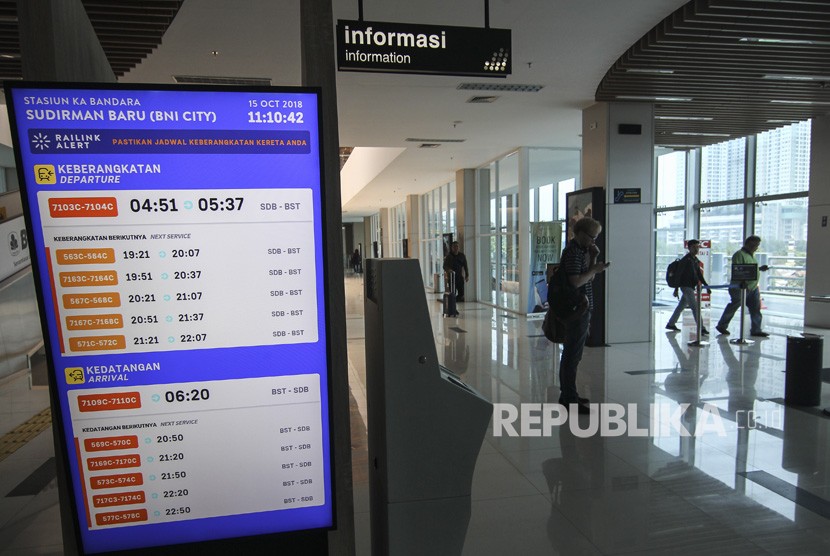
[666, 494]
[745, 483]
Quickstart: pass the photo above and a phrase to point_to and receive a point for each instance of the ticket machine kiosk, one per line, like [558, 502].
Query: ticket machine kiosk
[425, 426]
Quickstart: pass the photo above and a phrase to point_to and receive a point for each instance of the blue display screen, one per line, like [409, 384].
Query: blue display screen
[177, 237]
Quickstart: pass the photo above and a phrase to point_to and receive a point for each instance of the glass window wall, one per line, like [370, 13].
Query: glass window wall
[775, 204]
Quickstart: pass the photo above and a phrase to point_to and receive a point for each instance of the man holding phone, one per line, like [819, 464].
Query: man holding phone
[579, 261]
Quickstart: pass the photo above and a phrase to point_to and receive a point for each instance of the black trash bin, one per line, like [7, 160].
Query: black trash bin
[803, 381]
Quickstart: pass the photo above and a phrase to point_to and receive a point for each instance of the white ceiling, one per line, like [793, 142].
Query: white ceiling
[565, 45]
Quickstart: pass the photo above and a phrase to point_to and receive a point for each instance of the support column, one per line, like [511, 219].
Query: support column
[484, 274]
[317, 51]
[817, 313]
[465, 220]
[58, 43]
[413, 227]
[523, 213]
[385, 234]
[615, 160]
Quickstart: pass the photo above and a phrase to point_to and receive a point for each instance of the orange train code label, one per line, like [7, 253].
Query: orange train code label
[88, 278]
[85, 256]
[91, 300]
[118, 499]
[83, 207]
[94, 322]
[109, 401]
[119, 518]
[116, 481]
[97, 343]
[110, 443]
[113, 462]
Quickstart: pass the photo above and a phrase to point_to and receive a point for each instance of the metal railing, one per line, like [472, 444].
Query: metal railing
[786, 276]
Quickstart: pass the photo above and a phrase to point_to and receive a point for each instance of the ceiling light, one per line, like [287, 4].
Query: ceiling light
[657, 99]
[802, 102]
[515, 87]
[482, 99]
[700, 134]
[214, 80]
[793, 77]
[422, 140]
[686, 118]
[10, 56]
[782, 41]
[650, 70]
[780, 121]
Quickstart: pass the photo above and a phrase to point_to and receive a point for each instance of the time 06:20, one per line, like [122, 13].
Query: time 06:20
[187, 395]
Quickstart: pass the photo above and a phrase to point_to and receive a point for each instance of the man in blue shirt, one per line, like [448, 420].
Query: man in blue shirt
[579, 261]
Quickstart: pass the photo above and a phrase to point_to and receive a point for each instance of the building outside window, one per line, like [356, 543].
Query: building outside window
[769, 201]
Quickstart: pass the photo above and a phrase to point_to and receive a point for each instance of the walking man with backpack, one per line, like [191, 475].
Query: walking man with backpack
[686, 277]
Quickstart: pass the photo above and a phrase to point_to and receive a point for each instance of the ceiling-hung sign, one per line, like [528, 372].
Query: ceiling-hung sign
[424, 49]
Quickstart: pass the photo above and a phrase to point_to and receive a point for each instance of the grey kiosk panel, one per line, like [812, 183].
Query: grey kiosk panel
[425, 426]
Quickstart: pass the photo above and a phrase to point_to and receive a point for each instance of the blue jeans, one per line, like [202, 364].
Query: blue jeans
[687, 299]
[753, 303]
[575, 335]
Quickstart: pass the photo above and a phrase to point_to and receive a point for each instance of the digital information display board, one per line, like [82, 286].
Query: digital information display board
[177, 238]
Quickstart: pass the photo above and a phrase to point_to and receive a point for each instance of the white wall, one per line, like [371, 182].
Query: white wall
[619, 161]
[818, 235]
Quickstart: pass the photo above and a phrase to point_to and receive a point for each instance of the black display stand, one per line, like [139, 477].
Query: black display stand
[583, 203]
[742, 340]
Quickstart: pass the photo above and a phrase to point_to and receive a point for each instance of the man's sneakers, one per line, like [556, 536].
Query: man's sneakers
[760, 334]
[674, 328]
[722, 329]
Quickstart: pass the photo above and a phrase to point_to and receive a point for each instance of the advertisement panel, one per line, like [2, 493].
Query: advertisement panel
[15, 257]
[177, 247]
[546, 248]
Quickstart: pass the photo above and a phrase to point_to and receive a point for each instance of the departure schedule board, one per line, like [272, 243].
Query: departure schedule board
[177, 248]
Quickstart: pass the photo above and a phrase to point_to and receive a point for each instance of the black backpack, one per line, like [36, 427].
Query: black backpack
[565, 301]
[674, 273]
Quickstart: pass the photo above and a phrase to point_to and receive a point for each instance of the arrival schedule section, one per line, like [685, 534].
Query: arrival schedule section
[172, 452]
[139, 271]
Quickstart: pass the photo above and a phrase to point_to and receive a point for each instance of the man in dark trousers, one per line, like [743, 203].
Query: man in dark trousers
[690, 277]
[456, 262]
[579, 261]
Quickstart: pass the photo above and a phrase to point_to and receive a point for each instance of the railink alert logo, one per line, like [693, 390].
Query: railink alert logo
[40, 141]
